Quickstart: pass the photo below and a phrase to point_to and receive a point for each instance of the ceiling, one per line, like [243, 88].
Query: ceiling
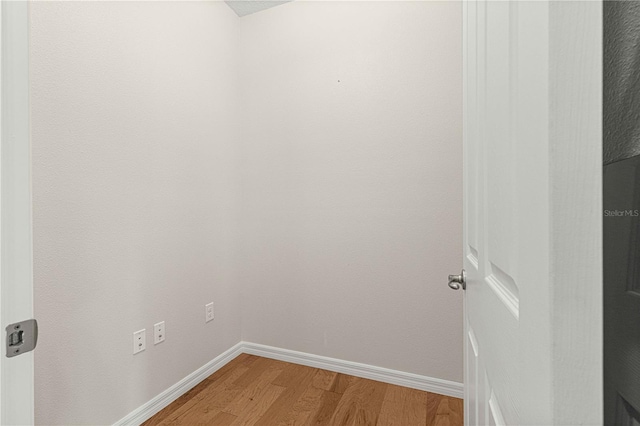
[246, 7]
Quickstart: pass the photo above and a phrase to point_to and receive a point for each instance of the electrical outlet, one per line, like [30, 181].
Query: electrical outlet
[208, 308]
[158, 333]
[139, 341]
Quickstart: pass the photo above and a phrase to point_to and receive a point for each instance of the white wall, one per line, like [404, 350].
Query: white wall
[351, 203]
[336, 211]
[135, 184]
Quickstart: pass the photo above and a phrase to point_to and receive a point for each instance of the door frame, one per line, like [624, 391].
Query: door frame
[16, 264]
[576, 216]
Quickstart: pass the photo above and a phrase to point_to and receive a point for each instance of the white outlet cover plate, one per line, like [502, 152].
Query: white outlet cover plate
[158, 333]
[139, 341]
[208, 308]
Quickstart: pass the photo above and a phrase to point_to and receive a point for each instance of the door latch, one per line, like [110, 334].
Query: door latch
[456, 282]
[21, 337]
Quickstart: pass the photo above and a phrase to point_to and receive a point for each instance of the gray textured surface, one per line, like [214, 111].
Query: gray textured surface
[621, 232]
[247, 7]
[621, 80]
[621, 285]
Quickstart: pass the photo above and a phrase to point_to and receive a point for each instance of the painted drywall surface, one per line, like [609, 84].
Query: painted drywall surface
[352, 186]
[135, 143]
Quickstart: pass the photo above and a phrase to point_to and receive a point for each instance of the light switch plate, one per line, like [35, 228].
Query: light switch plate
[158, 333]
[139, 341]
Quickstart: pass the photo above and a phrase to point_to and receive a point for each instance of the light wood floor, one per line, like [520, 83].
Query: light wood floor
[252, 390]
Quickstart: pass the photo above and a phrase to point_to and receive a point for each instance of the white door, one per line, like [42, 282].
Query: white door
[528, 66]
[16, 282]
[504, 236]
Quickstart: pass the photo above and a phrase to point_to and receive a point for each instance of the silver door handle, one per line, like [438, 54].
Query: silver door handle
[457, 281]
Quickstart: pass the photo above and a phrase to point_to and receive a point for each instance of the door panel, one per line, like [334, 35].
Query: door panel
[471, 118]
[471, 404]
[494, 216]
[499, 165]
[495, 414]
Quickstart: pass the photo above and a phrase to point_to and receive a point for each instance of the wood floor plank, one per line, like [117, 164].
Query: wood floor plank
[220, 419]
[209, 408]
[255, 409]
[292, 374]
[219, 393]
[342, 382]
[304, 408]
[360, 403]
[258, 391]
[328, 404]
[324, 379]
[443, 407]
[371, 403]
[295, 379]
[252, 392]
[222, 397]
[442, 420]
[404, 406]
[199, 405]
[456, 412]
[392, 406]
[415, 407]
[239, 361]
[444, 411]
[433, 402]
[175, 405]
[258, 367]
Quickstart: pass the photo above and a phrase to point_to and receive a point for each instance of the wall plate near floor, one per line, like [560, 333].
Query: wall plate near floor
[158, 333]
[139, 341]
[208, 312]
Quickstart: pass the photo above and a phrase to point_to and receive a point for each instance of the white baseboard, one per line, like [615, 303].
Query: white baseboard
[415, 381]
[146, 411]
[400, 378]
